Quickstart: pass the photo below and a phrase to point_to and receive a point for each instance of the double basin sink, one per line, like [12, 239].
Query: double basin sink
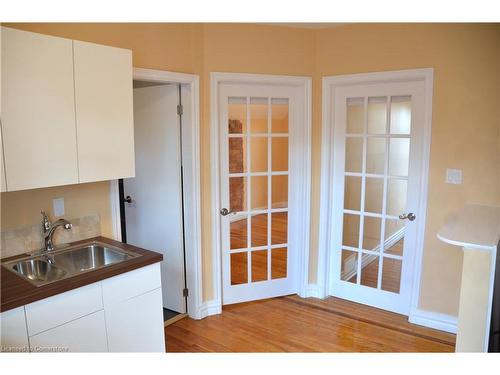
[44, 268]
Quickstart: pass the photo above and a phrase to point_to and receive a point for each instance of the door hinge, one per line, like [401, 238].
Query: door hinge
[185, 292]
[180, 109]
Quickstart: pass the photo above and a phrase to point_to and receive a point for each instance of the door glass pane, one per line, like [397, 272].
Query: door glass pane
[279, 228]
[391, 275]
[374, 190]
[354, 155]
[237, 157]
[352, 193]
[238, 234]
[371, 233]
[349, 266]
[239, 268]
[399, 156]
[279, 263]
[237, 194]
[279, 114]
[375, 155]
[355, 115]
[259, 230]
[258, 115]
[259, 192]
[279, 191]
[396, 196]
[280, 154]
[394, 237]
[369, 270]
[259, 265]
[350, 235]
[258, 153]
[237, 115]
[400, 114]
[377, 115]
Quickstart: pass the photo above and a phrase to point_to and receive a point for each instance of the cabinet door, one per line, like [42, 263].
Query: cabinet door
[136, 324]
[87, 334]
[14, 336]
[104, 112]
[38, 110]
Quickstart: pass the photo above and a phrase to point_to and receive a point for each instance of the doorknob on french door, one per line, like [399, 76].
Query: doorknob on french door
[410, 216]
[127, 199]
[224, 212]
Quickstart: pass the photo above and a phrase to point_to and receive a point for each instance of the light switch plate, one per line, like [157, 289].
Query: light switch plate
[454, 176]
[58, 205]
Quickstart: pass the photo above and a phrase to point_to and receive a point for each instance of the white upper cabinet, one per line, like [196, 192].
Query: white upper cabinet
[38, 110]
[67, 111]
[104, 112]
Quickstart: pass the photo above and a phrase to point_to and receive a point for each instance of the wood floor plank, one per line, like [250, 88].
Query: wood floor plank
[294, 324]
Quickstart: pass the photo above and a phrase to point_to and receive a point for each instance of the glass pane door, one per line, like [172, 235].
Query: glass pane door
[258, 177]
[376, 170]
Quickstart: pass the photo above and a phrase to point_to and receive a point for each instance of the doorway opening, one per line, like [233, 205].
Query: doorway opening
[159, 209]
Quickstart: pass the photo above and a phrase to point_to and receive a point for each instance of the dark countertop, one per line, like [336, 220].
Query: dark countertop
[16, 291]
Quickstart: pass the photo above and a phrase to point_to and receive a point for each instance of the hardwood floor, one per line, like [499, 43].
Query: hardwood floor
[293, 324]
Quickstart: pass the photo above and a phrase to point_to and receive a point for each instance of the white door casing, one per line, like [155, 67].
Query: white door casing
[297, 92]
[154, 218]
[417, 85]
[192, 185]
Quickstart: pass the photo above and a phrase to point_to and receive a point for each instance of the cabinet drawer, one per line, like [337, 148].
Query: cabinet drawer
[131, 284]
[87, 334]
[62, 308]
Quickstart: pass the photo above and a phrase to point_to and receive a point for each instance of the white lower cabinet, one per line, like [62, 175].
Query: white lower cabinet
[136, 324]
[121, 314]
[86, 334]
[13, 331]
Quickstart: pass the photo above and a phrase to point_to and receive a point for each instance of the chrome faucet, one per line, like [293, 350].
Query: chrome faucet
[50, 228]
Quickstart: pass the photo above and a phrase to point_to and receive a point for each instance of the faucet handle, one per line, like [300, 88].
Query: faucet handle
[45, 220]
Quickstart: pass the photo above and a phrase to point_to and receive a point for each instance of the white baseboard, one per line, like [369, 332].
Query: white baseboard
[313, 290]
[208, 308]
[442, 322]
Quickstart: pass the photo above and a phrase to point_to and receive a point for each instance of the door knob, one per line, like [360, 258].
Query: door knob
[127, 199]
[410, 216]
[224, 212]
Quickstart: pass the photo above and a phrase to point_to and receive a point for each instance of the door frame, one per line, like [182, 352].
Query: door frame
[192, 185]
[305, 84]
[330, 84]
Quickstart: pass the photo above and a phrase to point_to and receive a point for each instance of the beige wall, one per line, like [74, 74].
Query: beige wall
[466, 124]
[22, 208]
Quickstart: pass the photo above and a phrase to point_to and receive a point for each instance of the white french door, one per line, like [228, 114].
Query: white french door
[377, 171]
[259, 173]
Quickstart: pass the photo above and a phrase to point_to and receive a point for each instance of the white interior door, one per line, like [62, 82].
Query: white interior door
[259, 179]
[154, 217]
[377, 171]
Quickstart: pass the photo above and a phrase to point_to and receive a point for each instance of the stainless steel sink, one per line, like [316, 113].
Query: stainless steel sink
[38, 270]
[89, 257]
[43, 268]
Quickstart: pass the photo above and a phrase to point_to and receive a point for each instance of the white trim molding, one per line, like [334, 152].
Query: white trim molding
[305, 84]
[114, 200]
[442, 322]
[192, 183]
[208, 308]
[326, 197]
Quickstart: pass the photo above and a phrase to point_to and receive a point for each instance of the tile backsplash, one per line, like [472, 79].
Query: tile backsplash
[30, 238]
